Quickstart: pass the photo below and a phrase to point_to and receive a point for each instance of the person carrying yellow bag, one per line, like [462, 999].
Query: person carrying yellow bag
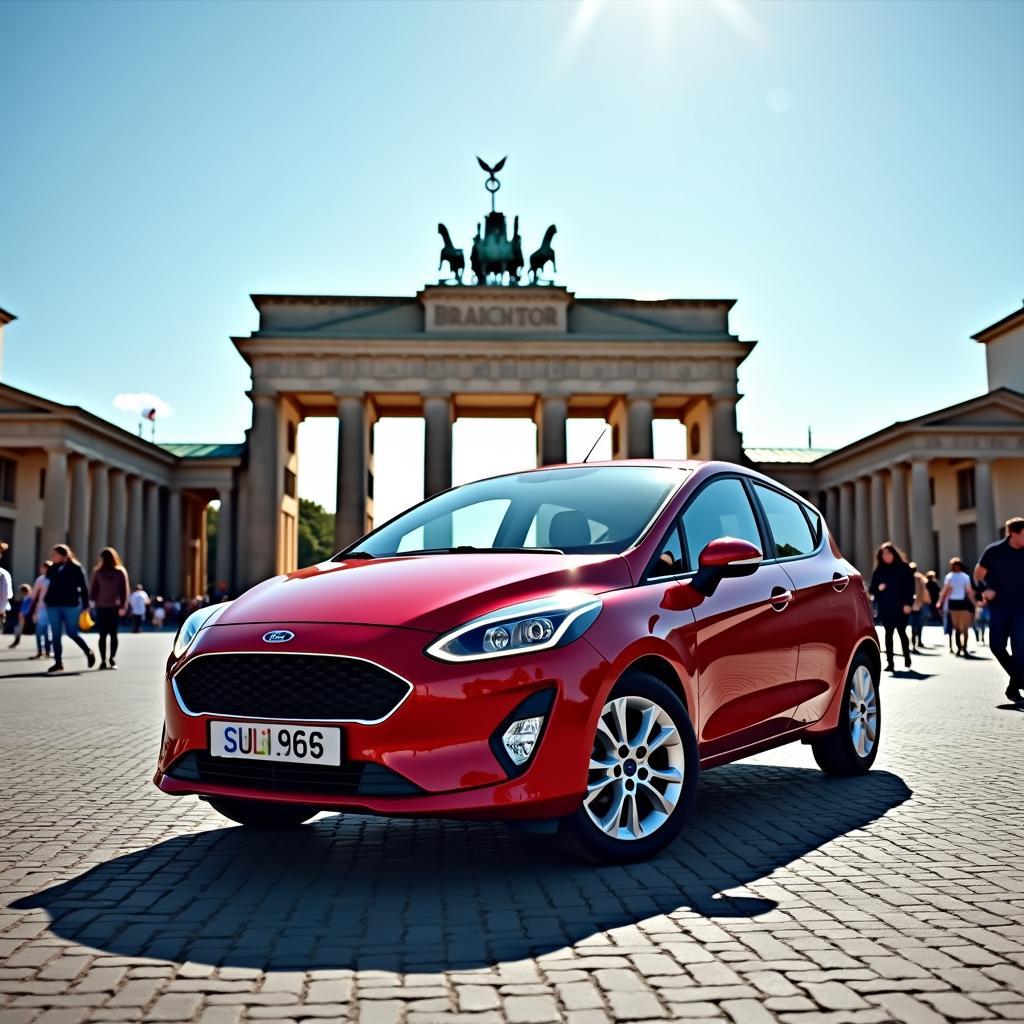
[67, 595]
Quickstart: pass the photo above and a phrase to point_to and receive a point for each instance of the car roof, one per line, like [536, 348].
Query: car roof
[658, 463]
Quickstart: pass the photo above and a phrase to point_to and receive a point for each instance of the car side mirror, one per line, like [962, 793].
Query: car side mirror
[724, 557]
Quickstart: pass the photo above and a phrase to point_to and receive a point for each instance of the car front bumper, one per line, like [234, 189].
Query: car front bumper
[435, 750]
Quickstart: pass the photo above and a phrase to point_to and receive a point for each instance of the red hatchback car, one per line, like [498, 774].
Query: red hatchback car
[566, 646]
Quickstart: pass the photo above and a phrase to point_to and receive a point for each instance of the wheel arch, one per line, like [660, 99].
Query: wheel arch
[872, 652]
[663, 670]
[868, 645]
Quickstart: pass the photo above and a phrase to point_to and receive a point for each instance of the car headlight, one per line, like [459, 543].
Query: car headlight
[530, 626]
[196, 621]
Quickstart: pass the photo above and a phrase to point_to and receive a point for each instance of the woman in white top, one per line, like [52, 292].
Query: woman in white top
[957, 597]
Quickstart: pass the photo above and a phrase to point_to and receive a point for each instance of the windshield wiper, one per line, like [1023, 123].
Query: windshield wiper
[345, 555]
[469, 549]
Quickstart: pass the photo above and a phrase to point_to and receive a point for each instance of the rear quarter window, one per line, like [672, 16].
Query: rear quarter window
[788, 524]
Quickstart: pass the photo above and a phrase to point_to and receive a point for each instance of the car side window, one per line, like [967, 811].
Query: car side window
[669, 560]
[814, 519]
[787, 522]
[721, 509]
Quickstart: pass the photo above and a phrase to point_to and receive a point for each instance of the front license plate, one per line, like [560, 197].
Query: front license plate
[271, 741]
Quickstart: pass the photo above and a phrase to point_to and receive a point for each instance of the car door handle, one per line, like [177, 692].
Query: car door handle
[840, 582]
[780, 599]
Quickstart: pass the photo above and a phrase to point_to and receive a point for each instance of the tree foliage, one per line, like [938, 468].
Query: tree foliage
[316, 533]
[212, 533]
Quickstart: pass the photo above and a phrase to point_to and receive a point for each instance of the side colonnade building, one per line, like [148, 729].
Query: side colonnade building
[69, 476]
[940, 485]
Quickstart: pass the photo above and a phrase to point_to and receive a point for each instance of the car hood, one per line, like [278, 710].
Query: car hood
[429, 592]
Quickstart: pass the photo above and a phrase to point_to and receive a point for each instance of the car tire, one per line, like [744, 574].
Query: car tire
[639, 797]
[263, 814]
[852, 747]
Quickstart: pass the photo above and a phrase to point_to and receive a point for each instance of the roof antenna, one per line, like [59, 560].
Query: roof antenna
[595, 444]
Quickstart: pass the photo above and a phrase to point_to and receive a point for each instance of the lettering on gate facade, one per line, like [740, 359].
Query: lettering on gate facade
[495, 310]
[494, 316]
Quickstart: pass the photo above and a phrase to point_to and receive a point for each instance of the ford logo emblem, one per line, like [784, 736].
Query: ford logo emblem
[278, 636]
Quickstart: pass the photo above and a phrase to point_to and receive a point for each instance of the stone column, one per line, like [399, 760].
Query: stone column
[118, 533]
[55, 500]
[353, 452]
[225, 537]
[862, 522]
[985, 504]
[832, 509]
[174, 544]
[639, 427]
[134, 552]
[99, 513]
[920, 515]
[551, 443]
[262, 526]
[78, 526]
[437, 415]
[151, 535]
[203, 575]
[846, 529]
[726, 443]
[899, 512]
[618, 421]
[879, 516]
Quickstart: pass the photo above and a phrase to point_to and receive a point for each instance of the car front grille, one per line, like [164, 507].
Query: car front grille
[351, 778]
[289, 686]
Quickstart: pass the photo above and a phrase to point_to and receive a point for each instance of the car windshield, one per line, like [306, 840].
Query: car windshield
[577, 510]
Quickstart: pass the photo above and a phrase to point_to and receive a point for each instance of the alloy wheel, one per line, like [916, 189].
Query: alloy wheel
[636, 771]
[863, 711]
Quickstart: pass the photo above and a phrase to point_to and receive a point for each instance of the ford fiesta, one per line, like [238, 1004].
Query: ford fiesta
[567, 646]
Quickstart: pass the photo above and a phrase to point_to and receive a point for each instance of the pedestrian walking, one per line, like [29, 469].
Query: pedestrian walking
[24, 612]
[932, 583]
[1001, 571]
[957, 597]
[138, 602]
[6, 588]
[108, 593]
[919, 609]
[67, 594]
[981, 617]
[892, 586]
[159, 613]
[42, 622]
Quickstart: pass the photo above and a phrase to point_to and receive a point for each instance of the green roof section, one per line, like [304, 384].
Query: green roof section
[199, 450]
[766, 455]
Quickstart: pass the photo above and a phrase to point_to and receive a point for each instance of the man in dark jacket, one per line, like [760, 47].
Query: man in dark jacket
[1000, 571]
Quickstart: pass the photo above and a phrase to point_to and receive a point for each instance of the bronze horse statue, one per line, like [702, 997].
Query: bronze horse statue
[543, 255]
[454, 257]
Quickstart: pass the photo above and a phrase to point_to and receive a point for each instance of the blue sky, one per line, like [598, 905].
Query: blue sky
[851, 173]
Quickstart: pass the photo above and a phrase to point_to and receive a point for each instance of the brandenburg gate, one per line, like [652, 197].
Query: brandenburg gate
[496, 348]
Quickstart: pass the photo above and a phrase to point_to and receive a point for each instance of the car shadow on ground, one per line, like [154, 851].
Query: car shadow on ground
[417, 895]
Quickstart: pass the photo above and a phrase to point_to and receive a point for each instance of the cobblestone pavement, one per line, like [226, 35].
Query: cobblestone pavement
[895, 897]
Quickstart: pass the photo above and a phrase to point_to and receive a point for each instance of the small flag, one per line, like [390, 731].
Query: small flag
[149, 414]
